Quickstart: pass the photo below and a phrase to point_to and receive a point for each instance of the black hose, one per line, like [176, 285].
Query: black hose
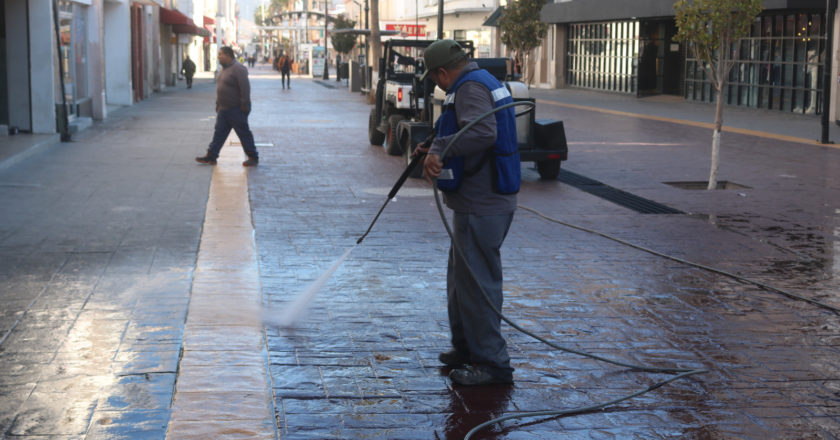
[739, 278]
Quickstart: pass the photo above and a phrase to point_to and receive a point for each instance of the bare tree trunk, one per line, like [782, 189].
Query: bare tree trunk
[530, 67]
[375, 46]
[713, 172]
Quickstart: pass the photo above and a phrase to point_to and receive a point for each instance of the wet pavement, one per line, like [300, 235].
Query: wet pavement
[101, 271]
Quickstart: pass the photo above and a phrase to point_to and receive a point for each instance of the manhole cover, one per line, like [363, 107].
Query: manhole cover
[701, 185]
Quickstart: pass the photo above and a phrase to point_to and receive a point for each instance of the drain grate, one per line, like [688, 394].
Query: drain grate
[327, 85]
[703, 185]
[615, 195]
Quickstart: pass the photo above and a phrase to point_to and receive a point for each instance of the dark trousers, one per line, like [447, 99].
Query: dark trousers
[284, 79]
[189, 81]
[232, 119]
[475, 327]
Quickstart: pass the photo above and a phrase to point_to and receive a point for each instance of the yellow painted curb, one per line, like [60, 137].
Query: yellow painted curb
[727, 129]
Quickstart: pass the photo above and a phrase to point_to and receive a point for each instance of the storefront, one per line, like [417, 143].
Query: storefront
[179, 36]
[465, 24]
[628, 48]
[604, 56]
[636, 57]
[779, 66]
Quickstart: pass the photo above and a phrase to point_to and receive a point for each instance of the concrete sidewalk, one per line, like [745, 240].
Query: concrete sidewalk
[98, 243]
[805, 128]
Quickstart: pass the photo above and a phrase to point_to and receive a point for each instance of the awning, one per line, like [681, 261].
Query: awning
[172, 16]
[181, 24]
[364, 32]
[190, 29]
[493, 19]
[209, 25]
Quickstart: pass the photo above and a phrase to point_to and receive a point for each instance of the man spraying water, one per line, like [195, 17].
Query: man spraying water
[479, 178]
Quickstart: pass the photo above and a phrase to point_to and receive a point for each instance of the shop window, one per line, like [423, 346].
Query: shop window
[73, 55]
[778, 66]
[603, 56]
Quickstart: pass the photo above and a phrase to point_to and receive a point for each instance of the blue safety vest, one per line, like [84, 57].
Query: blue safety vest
[504, 156]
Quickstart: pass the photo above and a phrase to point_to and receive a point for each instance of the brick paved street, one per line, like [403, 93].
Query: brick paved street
[99, 254]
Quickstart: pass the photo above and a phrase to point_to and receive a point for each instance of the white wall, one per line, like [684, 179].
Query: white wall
[151, 63]
[96, 63]
[42, 75]
[17, 72]
[117, 39]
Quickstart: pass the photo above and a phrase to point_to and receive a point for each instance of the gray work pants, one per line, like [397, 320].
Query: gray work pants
[475, 327]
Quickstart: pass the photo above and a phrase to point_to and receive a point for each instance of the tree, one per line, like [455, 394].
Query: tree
[712, 29]
[522, 31]
[264, 14]
[343, 43]
[272, 10]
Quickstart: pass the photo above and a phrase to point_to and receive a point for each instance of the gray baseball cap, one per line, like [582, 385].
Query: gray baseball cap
[440, 54]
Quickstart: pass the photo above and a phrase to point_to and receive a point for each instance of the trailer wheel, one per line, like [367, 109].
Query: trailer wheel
[375, 136]
[393, 146]
[549, 169]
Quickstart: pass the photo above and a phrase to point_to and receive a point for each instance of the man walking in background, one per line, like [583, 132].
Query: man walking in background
[233, 104]
[188, 69]
[284, 64]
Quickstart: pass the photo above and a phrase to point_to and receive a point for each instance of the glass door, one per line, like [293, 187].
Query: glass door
[72, 22]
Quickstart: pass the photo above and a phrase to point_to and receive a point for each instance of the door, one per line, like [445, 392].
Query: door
[661, 59]
[674, 61]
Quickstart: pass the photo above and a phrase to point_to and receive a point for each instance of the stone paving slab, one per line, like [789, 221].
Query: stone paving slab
[362, 363]
[98, 240]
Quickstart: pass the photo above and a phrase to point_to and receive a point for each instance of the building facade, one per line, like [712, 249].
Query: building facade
[629, 47]
[74, 63]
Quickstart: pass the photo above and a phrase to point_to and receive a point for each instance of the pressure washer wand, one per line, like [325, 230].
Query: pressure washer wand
[416, 160]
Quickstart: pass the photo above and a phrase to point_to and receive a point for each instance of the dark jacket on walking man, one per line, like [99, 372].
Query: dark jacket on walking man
[233, 104]
[284, 65]
[188, 69]
[483, 212]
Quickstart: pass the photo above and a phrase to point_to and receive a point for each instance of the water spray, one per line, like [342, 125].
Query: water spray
[294, 310]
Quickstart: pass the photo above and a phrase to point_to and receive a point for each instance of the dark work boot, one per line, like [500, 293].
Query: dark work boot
[251, 162]
[453, 358]
[474, 375]
[206, 160]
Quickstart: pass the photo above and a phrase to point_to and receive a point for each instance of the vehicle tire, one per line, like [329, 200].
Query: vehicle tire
[549, 169]
[392, 146]
[375, 136]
